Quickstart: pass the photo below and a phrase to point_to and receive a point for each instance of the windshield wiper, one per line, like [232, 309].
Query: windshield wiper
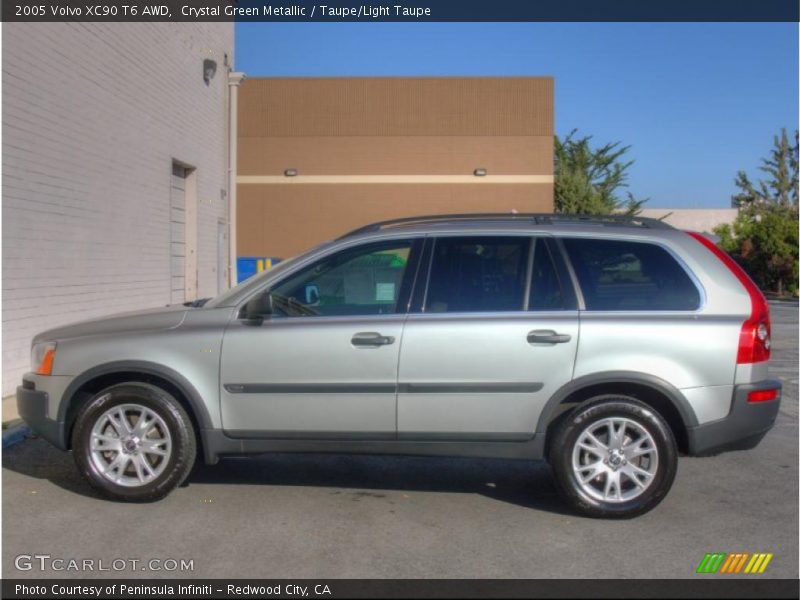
[292, 307]
[196, 303]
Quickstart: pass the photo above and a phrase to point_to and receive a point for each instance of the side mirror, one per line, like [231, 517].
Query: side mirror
[258, 307]
[312, 294]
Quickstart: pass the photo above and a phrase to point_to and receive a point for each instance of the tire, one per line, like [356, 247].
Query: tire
[608, 464]
[150, 458]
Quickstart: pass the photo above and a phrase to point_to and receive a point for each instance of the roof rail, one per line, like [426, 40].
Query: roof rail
[532, 218]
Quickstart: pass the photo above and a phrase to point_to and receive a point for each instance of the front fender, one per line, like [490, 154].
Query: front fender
[188, 391]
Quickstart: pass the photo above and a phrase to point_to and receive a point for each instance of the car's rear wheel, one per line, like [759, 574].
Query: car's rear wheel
[134, 442]
[614, 457]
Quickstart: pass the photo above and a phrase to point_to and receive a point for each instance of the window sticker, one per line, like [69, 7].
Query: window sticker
[384, 292]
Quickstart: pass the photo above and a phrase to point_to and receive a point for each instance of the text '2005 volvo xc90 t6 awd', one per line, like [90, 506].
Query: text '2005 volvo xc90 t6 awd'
[606, 346]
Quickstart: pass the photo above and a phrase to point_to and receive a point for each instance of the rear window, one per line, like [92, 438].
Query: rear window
[623, 276]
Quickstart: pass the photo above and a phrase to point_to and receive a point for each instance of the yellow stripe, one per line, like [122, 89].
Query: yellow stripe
[759, 557]
[391, 179]
[749, 566]
[741, 562]
[767, 558]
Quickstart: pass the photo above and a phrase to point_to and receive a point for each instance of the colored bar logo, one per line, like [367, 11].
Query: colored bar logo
[737, 562]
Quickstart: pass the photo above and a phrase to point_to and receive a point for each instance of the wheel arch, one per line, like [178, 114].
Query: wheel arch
[663, 397]
[102, 376]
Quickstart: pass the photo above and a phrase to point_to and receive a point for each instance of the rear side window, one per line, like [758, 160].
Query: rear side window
[478, 274]
[624, 276]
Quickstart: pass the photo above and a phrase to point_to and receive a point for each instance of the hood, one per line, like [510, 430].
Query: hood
[143, 320]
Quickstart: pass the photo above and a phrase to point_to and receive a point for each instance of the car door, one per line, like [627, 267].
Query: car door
[494, 336]
[324, 364]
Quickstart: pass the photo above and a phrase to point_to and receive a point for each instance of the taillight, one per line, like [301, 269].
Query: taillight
[754, 338]
[762, 395]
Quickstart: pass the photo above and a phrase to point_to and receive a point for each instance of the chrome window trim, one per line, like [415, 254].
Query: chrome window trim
[506, 314]
[526, 298]
[300, 320]
[573, 277]
[557, 237]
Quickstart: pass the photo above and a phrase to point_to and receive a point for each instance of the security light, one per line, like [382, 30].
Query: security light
[209, 70]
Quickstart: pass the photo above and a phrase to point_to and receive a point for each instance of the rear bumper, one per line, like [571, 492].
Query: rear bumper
[743, 428]
[32, 405]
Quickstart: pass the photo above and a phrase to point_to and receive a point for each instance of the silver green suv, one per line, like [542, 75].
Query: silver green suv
[606, 346]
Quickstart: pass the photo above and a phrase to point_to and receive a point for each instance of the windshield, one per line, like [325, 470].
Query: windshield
[227, 297]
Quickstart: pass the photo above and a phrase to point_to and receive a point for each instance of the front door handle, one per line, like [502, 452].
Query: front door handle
[547, 336]
[371, 339]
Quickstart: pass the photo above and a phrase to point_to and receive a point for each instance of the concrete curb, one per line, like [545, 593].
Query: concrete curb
[15, 434]
[781, 300]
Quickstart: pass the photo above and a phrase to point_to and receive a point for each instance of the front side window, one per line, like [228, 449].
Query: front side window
[623, 275]
[366, 280]
[477, 274]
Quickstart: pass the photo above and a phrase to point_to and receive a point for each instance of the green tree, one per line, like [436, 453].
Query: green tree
[764, 236]
[588, 180]
[781, 167]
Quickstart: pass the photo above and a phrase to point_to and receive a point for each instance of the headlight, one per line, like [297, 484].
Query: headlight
[42, 356]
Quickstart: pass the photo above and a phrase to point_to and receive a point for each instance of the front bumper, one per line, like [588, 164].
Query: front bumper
[32, 405]
[743, 428]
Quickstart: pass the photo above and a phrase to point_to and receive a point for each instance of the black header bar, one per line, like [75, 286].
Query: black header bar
[415, 11]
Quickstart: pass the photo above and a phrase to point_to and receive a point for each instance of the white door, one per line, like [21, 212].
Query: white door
[177, 228]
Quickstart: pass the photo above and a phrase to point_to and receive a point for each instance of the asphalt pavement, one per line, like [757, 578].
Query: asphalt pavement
[310, 516]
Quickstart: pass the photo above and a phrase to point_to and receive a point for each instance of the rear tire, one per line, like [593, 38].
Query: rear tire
[134, 442]
[614, 457]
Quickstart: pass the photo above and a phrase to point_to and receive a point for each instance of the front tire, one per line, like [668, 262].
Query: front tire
[134, 442]
[614, 457]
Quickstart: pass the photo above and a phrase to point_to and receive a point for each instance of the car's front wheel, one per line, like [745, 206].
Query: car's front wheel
[614, 457]
[134, 442]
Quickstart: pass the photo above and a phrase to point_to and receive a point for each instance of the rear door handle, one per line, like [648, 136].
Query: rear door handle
[547, 336]
[371, 339]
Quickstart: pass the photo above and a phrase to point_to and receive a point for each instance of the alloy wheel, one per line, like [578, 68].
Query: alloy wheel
[130, 445]
[614, 460]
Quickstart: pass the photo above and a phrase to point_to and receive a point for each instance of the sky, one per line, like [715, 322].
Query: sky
[696, 101]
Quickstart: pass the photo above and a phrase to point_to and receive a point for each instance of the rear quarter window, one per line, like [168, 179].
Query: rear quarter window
[617, 275]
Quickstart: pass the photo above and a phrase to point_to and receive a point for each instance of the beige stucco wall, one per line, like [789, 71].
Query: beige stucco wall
[693, 219]
[372, 148]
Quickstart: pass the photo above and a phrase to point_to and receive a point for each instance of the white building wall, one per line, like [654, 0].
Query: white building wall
[703, 220]
[93, 116]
